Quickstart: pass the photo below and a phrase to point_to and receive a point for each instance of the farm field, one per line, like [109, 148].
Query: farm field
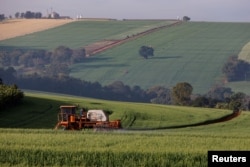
[43, 108]
[20, 27]
[81, 33]
[42, 146]
[193, 52]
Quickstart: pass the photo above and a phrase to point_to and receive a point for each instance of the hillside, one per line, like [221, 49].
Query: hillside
[39, 110]
[20, 27]
[193, 52]
[81, 33]
[27, 138]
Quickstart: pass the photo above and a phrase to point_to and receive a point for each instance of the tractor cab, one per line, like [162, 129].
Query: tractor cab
[67, 113]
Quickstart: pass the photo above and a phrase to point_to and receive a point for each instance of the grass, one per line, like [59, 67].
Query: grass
[81, 33]
[43, 108]
[36, 144]
[193, 52]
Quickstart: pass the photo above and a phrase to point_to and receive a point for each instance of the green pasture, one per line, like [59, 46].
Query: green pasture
[27, 137]
[40, 110]
[193, 52]
[81, 33]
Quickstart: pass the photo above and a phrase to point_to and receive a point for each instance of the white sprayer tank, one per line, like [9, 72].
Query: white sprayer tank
[97, 115]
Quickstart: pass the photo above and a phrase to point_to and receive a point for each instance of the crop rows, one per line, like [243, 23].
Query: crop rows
[20, 147]
[81, 33]
[190, 52]
[100, 159]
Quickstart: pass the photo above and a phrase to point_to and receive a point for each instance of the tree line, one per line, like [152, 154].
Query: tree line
[41, 61]
[28, 15]
[51, 75]
[23, 15]
[180, 94]
[236, 70]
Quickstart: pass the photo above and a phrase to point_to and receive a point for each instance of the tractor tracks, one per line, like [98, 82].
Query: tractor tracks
[208, 122]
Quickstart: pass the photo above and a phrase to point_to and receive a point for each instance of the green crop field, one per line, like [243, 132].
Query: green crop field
[42, 112]
[34, 143]
[81, 33]
[193, 52]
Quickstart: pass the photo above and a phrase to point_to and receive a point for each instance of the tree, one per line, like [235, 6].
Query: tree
[235, 69]
[186, 18]
[237, 101]
[10, 96]
[29, 15]
[146, 51]
[62, 54]
[181, 93]
[17, 15]
[161, 95]
[220, 93]
[38, 15]
[78, 55]
[2, 17]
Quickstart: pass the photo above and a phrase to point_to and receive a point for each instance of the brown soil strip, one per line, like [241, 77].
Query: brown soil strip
[107, 44]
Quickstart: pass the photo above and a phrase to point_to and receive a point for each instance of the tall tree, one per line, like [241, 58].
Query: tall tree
[181, 93]
[17, 15]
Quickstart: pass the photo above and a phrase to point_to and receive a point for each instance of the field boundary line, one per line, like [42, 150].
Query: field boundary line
[119, 42]
[208, 122]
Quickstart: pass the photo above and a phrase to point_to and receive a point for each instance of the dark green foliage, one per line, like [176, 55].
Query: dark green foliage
[8, 75]
[202, 101]
[220, 93]
[43, 62]
[2, 17]
[10, 95]
[146, 51]
[235, 69]
[181, 93]
[161, 95]
[186, 18]
[29, 15]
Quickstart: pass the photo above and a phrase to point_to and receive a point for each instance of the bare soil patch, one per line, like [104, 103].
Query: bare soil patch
[19, 27]
[92, 48]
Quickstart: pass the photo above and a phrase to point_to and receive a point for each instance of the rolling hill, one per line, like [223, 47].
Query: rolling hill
[39, 110]
[27, 138]
[191, 52]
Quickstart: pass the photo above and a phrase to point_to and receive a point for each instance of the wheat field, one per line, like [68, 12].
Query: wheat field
[19, 27]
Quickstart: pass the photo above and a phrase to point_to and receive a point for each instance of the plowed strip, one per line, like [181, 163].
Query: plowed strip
[104, 45]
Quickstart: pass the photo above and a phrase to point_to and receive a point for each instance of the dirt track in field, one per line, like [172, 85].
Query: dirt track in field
[218, 120]
[19, 27]
[101, 46]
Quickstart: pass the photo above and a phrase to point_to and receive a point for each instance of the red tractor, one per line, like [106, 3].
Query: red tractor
[69, 119]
